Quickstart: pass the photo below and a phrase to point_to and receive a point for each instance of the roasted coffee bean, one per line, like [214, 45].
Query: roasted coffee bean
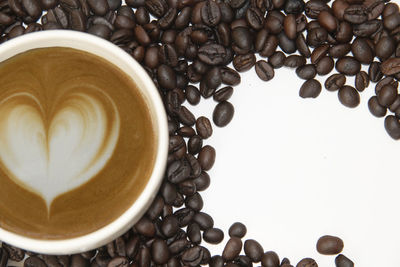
[392, 126]
[34, 262]
[306, 72]
[343, 261]
[192, 256]
[329, 245]
[144, 257]
[210, 13]
[391, 66]
[223, 113]
[273, 24]
[302, 46]
[289, 26]
[340, 50]
[241, 37]
[145, 227]
[237, 230]
[169, 193]
[362, 51]
[195, 144]
[307, 262]
[328, 21]
[270, 46]
[166, 77]
[348, 66]
[324, 65]
[69, 5]
[294, 61]
[32, 7]
[375, 108]
[387, 95]
[100, 31]
[206, 157]
[223, 94]
[153, 212]
[202, 182]
[392, 21]
[159, 251]
[118, 262]
[193, 232]
[188, 187]
[156, 7]
[294, 6]
[286, 44]
[270, 259]
[212, 54]
[77, 20]
[213, 235]
[195, 201]
[14, 253]
[310, 89]
[203, 127]
[361, 81]
[277, 60]
[374, 71]
[395, 105]
[99, 7]
[317, 36]
[178, 171]
[245, 62]
[169, 226]
[314, 7]
[178, 245]
[253, 250]
[345, 31]
[232, 249]
[204, 220]
[264, 70]
[318, 53]
[255, 18]
[385, 47]
[356, 14]
[192, 95]
[349, 96]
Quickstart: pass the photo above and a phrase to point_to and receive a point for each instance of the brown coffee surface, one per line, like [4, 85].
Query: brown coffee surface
[49, 83]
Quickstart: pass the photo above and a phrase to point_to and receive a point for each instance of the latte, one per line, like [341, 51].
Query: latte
[77, 143]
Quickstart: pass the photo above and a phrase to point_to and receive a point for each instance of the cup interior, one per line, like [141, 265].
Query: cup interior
[115, 55]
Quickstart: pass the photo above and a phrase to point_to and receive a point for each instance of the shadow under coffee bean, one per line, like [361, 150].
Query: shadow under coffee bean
[193, 41]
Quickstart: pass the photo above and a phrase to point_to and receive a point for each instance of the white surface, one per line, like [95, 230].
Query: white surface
[68, 154]
[295, 169]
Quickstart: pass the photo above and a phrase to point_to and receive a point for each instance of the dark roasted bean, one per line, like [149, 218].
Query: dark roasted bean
[212, 54]
[391, 66]
[302, 46]
[374, 71]
[204, 220]
[343, 261]
[324, 66]
[356, 14]
[270, 46]
[206, 157]
[310, 89]
[270, 259]
[286, 44]
[192, 256]
[348, 66]
[213, 235]
[277, 59]
[210, 13]
[314, 7]
[253, 250]
[232, 248]
[203, 127]
[387, 95]
[294, 61]
[223, 113]
[329, 245]
[99, 7]
[340, 50]
[145, 227]
[375, 108]
[361, 81]
[245, 62]
[237, 230]
[306, 72]
[160, 252]
[193, 232]
[264, 70]
[349, 96]
[335, 82]
[156, 7]
[307, 262]
[362, 51]
[392, 126]
[32, 7]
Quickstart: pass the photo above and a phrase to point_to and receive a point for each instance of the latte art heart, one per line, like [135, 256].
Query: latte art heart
[51, 151]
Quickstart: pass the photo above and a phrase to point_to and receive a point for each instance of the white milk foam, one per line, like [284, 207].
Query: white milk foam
[73, 149]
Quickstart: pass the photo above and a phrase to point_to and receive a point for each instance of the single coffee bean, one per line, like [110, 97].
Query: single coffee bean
[203, 127]
[391, 66]
[392, 126]
[242, 37]
[362, 51]
[99, 7]
[34, 262]
[385, 81]
[385, 47]
[324, 65]
[230, 76]
[306, 72]
[342, 261]
[317, 36]
[192, 95]
[367, 28]
[213, 236]
[329, 245]
[195, 144]
[194, 233]
[277, 59]
[223, 113]
[289, 26]
[286, 44]
[361, 81]
[307, 262]
[204, 220]
[232, 249]
[339, 50]
[170, 226]
[264, 70]
[145, 227]
[32, 7]
[160, 252]
[395, 105]
[156, 7]
[348, 66]
[374, 71]
[302, 46]
[375, 108]
[194, 202]
[349, 96]
[223, 94]
[207, 157]
[270, 46]
[202, 182]
[255, 18]
[356, 14]
[387, 95]
[270, 259]
[335, 82]
[310, 89]
[328, 21]
[166, 77]
[211, 13]
[253, 250]
[212, 54]
[318, 53]
[245, 62]
[193, 256]
[294, 61]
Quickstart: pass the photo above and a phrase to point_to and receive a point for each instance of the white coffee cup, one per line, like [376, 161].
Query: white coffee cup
[118, 57]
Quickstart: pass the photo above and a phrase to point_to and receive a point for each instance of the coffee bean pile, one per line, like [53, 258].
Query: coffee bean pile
[187, 46]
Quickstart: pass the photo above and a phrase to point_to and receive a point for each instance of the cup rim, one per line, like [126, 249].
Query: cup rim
[139, 207]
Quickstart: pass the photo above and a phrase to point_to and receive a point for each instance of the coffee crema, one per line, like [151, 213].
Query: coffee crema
[77, 143]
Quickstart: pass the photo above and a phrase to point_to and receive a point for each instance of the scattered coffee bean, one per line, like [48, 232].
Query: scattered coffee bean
[361, 81]
[213, 236]
[329, 245]
[342, 261]
[310, 89]
[335, 82]
[387, 95]
[253, 250]
[264, 70]
[349, 96]
[270, 259]
[392, 126]
[232, 249]
[307, 262]
[223, 113]
[375, 108]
